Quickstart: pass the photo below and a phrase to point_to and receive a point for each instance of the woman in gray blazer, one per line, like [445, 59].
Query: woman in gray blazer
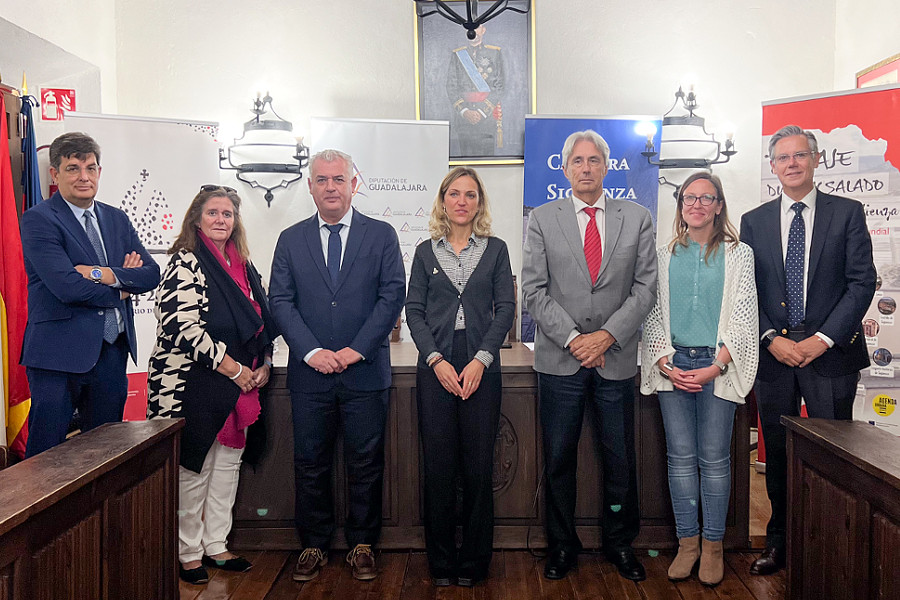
[459, 308]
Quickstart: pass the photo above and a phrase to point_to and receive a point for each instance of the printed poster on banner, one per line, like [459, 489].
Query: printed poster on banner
[629, 175]
[398, 167]
[154, 184]
[859, 136]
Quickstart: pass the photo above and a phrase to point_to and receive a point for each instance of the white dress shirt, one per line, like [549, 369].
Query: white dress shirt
[583, 220]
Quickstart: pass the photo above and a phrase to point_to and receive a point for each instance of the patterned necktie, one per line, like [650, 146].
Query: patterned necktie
[793, 265]
[593, 250]
[110, 323]
[334, 251]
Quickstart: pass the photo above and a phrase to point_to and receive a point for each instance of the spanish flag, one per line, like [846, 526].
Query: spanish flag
[13, 304]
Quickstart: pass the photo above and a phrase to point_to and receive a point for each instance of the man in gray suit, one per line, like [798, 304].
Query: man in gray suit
[589, 279]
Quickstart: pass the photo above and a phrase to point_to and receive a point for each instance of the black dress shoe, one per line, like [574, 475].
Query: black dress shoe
[560, 563]
[193, 576]
[237, 564]
[627, 564]
[770, 561]
[441, 581]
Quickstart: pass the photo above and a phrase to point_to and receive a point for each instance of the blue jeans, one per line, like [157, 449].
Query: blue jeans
[698, 434]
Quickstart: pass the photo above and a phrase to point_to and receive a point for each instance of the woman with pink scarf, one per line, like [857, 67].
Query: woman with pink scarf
[213, 357]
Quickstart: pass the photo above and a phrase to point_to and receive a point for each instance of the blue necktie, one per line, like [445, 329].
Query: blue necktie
[334, 252]
[793, 265]
[110, 323]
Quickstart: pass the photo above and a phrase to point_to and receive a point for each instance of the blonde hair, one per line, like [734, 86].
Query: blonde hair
[187, 239]
[723, 230]
[439, 223]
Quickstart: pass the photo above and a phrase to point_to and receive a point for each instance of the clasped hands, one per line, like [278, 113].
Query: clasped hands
[132, 260]
[470, 377]
[797, 354]
[249, 379]
[590, 348]
[328, 361]
[689, 381]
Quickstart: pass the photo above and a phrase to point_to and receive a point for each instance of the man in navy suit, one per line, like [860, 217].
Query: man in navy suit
[336, 290]
[84, 260]
[815, 278]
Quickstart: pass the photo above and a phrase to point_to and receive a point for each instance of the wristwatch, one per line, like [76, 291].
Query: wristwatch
[96, 274]
[667, 368]
[768, 338]
[722, 366]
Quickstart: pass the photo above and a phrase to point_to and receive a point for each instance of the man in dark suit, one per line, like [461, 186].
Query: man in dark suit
[336, 290]
[84, 260]
[588, 280]
[815, 278]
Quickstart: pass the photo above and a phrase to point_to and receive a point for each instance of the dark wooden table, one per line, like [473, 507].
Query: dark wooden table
[843, 510]
[95, 517]
[265, 505]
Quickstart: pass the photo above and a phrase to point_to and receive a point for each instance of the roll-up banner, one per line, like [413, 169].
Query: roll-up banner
[398, 166]
[859, 135]
[152, 169]
[629, 177]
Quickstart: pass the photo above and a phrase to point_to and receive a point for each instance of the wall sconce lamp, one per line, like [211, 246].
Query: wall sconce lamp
[267, 155]
[699, 150]
[472, 20]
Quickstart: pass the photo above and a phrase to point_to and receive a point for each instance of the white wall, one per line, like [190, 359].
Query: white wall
[206, 59]
[85, 28]
[866, 33]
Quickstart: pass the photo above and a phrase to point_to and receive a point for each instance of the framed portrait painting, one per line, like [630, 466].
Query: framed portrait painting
[484, 87]
[882, 73]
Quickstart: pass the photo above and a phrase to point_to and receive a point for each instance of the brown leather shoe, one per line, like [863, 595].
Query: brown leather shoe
[309, 564]
[771, 561]
[362, 562]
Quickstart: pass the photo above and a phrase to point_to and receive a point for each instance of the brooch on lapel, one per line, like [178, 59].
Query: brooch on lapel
[435, 272]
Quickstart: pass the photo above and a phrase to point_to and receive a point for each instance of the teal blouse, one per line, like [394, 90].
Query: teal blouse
[695, 295]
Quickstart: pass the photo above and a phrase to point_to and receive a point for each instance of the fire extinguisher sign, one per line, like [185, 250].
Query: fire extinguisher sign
[55, 102]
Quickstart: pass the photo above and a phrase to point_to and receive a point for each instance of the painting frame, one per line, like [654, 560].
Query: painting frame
[885, 72]
[445, 90]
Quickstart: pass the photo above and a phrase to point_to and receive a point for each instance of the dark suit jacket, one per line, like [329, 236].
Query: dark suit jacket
[840, 282]
[359, 312]
[65, 316]
[489, 302]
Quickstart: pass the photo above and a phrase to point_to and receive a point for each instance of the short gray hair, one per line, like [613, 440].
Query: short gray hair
[788, 131]
[589, 135]
[329, 155]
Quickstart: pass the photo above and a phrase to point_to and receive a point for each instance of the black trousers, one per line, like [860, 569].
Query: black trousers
[563, 401]
[317, 419]
[825, 397]
[458, 440]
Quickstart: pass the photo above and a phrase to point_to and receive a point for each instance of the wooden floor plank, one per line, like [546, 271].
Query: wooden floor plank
[514, 575]
[657, 585]
[257, 582]
[762, 588]
[417, 583]
[285, 588]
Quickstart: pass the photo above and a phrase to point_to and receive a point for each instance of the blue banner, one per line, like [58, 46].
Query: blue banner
[630, 176]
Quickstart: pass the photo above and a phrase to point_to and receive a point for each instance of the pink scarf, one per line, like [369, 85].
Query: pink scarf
[247, 409]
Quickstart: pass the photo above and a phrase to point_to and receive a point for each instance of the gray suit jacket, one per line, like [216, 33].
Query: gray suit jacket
[558, 292]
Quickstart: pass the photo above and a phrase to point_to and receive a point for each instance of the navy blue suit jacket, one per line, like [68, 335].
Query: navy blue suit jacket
[840, 282]
[65, 310]
[359, 312]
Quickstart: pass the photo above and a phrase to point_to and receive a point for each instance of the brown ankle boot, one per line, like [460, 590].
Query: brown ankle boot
[712, 563]
[688, 553]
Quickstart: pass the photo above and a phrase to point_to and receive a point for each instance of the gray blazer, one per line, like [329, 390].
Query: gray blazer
[558, 292]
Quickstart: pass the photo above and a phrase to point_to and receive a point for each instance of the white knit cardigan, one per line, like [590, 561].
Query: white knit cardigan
[738, 327]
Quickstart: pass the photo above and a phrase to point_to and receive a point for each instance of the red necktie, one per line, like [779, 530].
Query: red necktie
[593, 250]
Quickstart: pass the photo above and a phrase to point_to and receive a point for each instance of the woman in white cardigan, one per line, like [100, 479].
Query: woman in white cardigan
[700, 349]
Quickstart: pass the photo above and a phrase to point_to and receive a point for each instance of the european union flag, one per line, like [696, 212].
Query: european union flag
[31, 180]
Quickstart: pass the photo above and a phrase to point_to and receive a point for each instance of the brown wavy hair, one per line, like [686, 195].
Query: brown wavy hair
[723, 230]
[187, 239]
[439, 223]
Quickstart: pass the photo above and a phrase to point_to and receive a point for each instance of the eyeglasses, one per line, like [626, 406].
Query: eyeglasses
[782, 159]
[705, 199]
[211, 187]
